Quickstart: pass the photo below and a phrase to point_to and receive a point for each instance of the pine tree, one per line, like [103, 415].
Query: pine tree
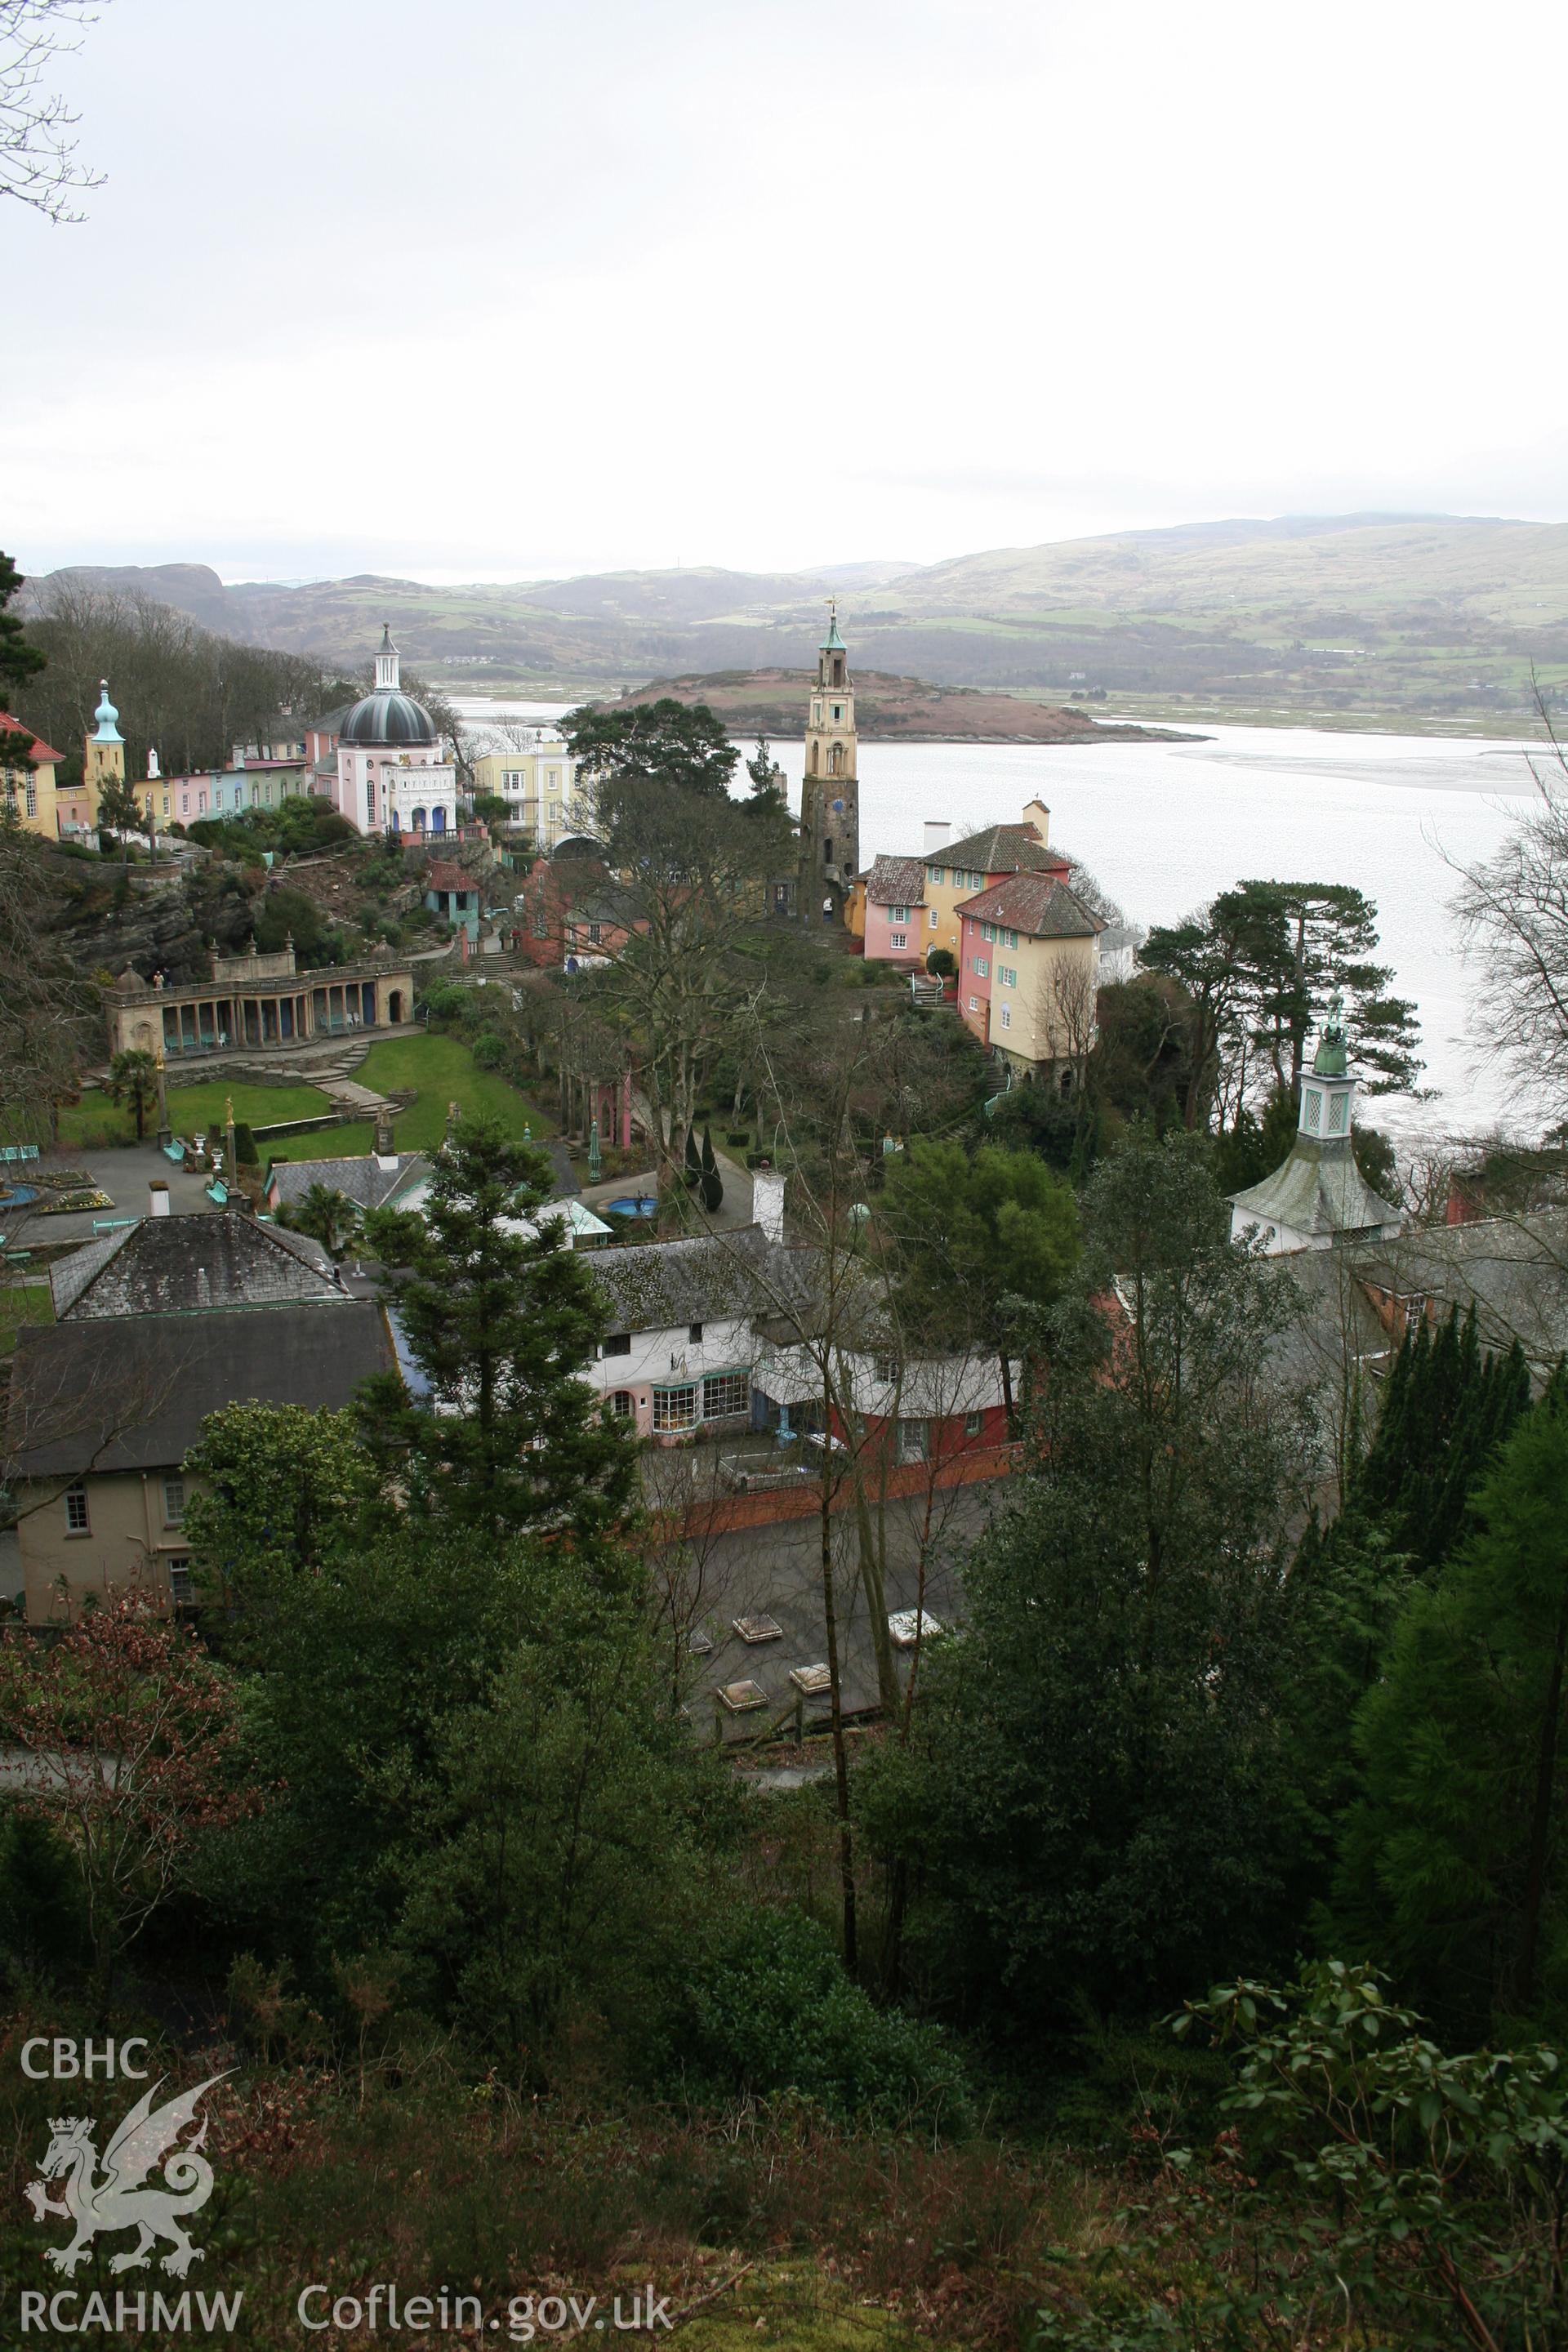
[19, 661]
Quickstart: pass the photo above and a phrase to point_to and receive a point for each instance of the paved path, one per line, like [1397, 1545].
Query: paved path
[733, 1211]
[126, 1173]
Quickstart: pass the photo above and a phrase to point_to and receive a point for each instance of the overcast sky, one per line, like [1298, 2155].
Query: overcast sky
[496, 289]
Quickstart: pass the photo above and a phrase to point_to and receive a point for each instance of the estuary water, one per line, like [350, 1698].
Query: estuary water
[1164, 825]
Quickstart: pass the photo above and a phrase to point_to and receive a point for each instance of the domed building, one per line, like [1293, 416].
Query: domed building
[393, 775]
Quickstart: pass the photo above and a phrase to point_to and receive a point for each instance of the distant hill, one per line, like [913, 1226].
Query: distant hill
[887, 710]
[1428, 619]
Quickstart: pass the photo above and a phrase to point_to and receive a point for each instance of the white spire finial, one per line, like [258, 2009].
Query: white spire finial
[386, 677]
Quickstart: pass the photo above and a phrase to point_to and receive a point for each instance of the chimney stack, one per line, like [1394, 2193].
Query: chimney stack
[768, 1201]
[939, 833]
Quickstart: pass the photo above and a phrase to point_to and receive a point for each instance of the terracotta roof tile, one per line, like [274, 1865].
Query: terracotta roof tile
[40, 754]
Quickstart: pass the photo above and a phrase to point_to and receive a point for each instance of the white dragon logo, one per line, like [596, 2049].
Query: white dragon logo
[117, 2200]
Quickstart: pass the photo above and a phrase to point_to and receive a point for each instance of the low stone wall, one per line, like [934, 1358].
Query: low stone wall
[343, 1117]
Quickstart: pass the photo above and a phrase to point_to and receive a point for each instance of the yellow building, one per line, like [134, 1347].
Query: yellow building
[957, 870]
[1028, 976]
[537, 782]
[103, 763]
[28, 779]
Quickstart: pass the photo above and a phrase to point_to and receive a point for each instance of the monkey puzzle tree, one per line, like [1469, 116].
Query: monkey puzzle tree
[500, 1318]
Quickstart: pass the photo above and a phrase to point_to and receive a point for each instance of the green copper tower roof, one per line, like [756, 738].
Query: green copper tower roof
[1330, 1061]
[833, 643]
[107, 716]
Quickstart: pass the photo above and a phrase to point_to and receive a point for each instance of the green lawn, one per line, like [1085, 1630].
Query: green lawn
[96, 1122]
[443, 1071]
[441, 1068]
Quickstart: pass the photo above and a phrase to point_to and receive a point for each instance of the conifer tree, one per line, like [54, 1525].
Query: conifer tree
[500, 1318]
[693, 1161]
[1452, 1861]
[1448, 1409]
[712, 1183]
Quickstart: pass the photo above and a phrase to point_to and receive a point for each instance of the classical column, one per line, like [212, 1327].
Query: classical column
[165, 1133]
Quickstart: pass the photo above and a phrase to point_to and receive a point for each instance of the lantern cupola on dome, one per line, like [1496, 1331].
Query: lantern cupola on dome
[387, 714]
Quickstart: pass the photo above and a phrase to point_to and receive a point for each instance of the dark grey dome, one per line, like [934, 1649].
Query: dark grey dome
[388, 718]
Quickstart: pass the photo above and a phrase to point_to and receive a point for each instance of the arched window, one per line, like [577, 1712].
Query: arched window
[836, 760]
[814, 758]
[623, 1404]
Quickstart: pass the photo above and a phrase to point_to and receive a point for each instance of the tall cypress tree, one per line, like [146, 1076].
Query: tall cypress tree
[712, 1183]
[1451, 1866]
[1448, 1408]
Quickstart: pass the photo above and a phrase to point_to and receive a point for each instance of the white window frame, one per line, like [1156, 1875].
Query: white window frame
[79, 1518]
[1004, 1017]
[726, 1395]
[174, 1502]
[671, 1417]
[897, 938]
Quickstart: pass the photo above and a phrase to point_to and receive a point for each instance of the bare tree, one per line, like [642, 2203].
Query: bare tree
[37, 156]
[1512, 908]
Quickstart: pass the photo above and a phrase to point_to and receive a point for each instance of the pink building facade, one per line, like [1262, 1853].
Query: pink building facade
[895, 910]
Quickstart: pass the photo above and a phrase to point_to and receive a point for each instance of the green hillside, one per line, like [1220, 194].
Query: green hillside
[1366, 619]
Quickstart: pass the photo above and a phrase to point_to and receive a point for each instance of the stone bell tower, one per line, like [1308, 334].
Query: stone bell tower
[830, 796]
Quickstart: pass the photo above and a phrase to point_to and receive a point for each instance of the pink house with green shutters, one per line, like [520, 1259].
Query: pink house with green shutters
[895, 910]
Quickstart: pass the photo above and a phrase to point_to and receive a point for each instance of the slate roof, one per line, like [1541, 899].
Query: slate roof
[660, 1286]
[1002, 849]
[896, 882]
[1037, 904]
[1318, 1190]
[133, 1395]
[191, 1265]
[1513, 1270]
[361, 1179]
